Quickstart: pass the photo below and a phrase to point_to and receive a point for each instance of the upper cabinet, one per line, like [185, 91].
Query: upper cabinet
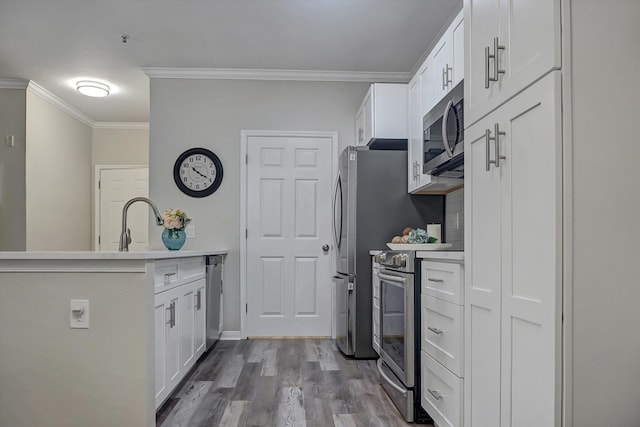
[448, 61]
[382, 114]
[439, 73]
[510, 45]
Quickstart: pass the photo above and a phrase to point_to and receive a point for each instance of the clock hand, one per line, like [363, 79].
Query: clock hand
[198, 172]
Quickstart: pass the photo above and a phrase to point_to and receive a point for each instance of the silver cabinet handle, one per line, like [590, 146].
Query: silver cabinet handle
[444, 85]
[198, 300]
[449, 79]
[496, 59]
[172, 314]
[498, 134]
[486, 68]
[435, 280]
[487, 138]
[435, 330]
[435, 394]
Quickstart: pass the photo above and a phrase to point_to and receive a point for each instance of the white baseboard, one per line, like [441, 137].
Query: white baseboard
[230, 335]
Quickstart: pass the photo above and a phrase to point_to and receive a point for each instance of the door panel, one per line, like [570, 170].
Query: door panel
[482, 279]
[117, 186]
[289, 220]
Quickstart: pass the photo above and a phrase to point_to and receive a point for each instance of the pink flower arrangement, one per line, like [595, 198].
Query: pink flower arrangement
[175, 219]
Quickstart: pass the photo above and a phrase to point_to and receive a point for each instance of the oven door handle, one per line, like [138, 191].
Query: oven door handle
[389, 381]
[389, 278]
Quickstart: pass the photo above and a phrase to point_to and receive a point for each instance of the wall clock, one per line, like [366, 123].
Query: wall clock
[198, 172]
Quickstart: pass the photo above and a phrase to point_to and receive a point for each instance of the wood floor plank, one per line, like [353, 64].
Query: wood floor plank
[264, 406]
[183, 412]
[228, 376]
[235, 414]
[212, 408]
[291, 411]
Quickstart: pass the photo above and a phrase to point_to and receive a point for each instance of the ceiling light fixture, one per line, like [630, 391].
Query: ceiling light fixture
[92, 88]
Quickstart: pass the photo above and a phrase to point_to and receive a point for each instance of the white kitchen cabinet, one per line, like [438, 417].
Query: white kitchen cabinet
[382, 114]
[509, 45]
[445, 64]
[442, 336]
[513, 273]
[200, 317]
[448, 60]
[180, 320]
[167, 363]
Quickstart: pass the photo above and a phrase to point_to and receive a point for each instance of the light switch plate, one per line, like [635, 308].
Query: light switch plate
[79, 314]
[190, 230]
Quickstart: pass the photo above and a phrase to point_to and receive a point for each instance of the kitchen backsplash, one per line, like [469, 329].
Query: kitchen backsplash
[454, 219]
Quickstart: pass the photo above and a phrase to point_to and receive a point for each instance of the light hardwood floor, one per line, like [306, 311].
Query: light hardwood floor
[290, 382]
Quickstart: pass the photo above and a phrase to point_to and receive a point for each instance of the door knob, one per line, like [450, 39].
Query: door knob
[325, 247]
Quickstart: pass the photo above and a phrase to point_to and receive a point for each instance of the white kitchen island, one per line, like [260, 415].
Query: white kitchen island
[116, 371]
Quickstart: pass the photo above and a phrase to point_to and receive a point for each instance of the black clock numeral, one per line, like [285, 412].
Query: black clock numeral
[185, 165]
[191, 184]
[184, 179]
[197, 186]
[198, 157]
[191, 159]
[210, 179]
[183, 171]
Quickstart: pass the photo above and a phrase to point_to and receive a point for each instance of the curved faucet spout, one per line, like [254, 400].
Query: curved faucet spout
[125, 233]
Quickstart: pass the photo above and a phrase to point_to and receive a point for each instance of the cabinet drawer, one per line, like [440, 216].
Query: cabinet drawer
[441, 393]
[443, 280]
[442, 337]
[191, 269]
[165, 274]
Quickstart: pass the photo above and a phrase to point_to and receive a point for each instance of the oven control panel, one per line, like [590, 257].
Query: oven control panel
[400, 260]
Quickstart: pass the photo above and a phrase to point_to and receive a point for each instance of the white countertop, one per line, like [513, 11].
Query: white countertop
[92, 255]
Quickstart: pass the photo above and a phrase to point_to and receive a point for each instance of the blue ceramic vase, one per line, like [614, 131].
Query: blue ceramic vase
[173, 238]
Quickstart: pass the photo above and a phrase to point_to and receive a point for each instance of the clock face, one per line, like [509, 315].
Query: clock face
[198, 172]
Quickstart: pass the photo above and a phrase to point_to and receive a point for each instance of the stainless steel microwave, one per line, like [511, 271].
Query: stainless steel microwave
[443, 144]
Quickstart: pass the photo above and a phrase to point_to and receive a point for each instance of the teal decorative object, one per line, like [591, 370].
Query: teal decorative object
[174, 238]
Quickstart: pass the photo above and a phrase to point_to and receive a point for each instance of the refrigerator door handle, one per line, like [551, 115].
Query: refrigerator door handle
[336, 236]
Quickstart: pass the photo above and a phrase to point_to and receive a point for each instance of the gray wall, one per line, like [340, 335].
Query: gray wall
[58, 178]
[211, 114]
[606, 195]
[13, 111]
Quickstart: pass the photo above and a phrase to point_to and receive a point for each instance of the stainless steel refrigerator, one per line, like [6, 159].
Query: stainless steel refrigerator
[370, 206]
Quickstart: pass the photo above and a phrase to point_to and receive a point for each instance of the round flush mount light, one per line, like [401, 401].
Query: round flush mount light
[92, 88]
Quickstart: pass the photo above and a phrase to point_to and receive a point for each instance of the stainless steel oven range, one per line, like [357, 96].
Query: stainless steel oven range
[399, 362]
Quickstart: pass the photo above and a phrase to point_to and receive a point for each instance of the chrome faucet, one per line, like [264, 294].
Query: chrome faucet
[125, 233]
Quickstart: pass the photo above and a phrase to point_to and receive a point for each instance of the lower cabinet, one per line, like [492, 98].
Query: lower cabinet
[167, 367]
[180, 333]
[442, 340]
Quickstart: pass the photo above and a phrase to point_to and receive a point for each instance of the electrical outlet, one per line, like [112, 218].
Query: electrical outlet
[190, 230]
[9, 140]
[79, 314]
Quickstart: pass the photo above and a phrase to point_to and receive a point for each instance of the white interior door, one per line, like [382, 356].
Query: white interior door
[288, 283]
[117, 186]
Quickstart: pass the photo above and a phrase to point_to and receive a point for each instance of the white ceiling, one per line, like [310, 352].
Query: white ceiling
[55, 42]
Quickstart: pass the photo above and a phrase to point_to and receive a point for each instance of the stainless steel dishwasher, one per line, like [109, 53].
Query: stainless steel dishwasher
[214, 294]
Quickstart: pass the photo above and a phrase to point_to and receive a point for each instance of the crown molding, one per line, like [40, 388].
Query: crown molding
[257, 74]
[36, 89]
[13, 84]
[121, 125]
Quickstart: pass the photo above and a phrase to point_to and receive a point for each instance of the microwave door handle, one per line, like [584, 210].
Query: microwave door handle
[445, 137]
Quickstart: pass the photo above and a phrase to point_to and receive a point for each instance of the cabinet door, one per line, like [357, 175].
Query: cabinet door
[482, 278]
[457, 56]
[368, 117]
[530, 32]
[200, 317]
[414, 155]
[531, 249]
[167, 365]
[360, 126]
[426, 86]
[442, 67]
[482, 25]
[186, 325]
